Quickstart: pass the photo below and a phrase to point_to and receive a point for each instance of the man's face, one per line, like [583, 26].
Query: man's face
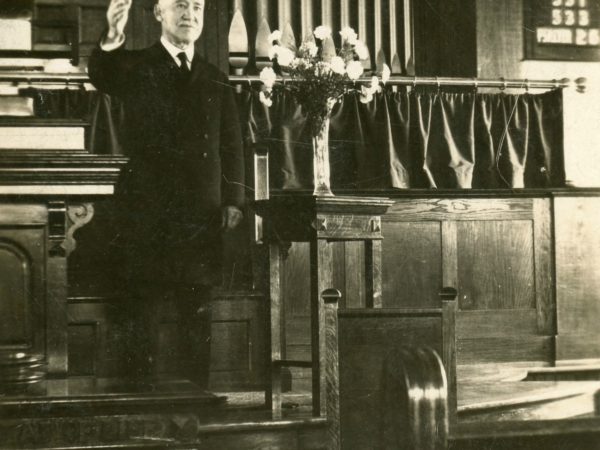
[181, 20]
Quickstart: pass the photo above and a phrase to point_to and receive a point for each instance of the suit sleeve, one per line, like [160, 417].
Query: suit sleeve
[232, 151]
[109, 70]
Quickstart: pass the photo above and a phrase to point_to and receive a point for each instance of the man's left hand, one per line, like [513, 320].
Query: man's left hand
[232, 216]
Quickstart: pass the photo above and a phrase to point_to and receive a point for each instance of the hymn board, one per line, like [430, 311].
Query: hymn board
[567, 30]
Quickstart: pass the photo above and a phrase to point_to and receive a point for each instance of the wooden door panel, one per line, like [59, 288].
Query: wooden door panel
[495, 264]
[21, 287]
[412, 263]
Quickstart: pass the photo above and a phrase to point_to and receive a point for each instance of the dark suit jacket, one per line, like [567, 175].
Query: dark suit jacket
[184, 142]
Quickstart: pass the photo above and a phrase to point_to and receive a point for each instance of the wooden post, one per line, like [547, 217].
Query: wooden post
[373, 274]
[449, 309]
[321, 266]
[330, 300]
[272, 396]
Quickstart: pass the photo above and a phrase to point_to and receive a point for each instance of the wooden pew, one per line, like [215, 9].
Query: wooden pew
[394, 392]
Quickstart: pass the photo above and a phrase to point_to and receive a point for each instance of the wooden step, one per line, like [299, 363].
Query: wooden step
[174, 414]
[564, 373]
[528, 400]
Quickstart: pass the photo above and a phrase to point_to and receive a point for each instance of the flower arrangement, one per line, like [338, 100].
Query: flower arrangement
[320, 74]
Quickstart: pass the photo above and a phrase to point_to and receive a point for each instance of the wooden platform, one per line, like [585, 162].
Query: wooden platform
[111, 413]
[500, 392]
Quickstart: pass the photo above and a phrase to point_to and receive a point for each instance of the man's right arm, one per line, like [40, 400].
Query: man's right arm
[107, 67]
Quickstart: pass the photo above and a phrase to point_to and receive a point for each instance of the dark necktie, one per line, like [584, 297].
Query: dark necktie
[184, 69]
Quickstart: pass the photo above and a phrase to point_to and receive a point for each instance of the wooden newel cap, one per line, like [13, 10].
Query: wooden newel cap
[331, 295]
[448, 294]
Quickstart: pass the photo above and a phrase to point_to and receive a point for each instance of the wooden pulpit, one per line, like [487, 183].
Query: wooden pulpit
[45, 196]
[320, 221]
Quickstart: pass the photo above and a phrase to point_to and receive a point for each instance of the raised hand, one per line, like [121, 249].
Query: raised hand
[117, 15]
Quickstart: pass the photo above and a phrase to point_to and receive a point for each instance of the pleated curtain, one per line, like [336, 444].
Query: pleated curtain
[403, 140]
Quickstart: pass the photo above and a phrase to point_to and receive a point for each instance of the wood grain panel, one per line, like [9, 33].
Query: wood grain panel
[22, 278]
[238, 341]
[449, 255]
[412, 264]
[496, 323]
[231, 346]
[577, 221]
[15, 292]
[93, 340]
[505, 349]
[574, 347]
[82, 349]
[495, 264]
[461, 209]
[544, 270]
[354, 294]
[296, 280]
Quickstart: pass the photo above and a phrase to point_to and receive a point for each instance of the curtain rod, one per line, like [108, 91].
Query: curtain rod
[499, 83]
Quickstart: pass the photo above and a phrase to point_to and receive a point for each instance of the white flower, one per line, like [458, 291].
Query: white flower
[310, 47]
[385, 73]
[337, 65]
[349, 35]
[361, 50]
[354, 70]
[365, 94]
[285, 56]
[322, 32]
[375, 85]
[323, 68]
[273, 51]
[268, 77]
[264, 99]
[275, 36]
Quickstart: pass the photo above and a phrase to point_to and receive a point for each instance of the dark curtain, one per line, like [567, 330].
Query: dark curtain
[399, 140]
[419, 140]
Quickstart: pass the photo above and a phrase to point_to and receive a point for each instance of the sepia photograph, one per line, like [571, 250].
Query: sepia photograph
[300, 224]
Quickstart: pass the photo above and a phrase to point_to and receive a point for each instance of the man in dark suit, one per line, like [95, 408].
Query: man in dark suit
[184, 182]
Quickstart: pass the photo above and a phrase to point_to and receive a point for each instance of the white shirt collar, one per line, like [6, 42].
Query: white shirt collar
[174, 51]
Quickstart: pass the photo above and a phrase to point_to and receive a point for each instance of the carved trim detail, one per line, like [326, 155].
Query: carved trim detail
[78, 215]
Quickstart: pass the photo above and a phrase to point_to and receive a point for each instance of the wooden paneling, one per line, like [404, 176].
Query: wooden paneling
[353, 290]
[22, 284]
[496, 252]
[578, 276]
[17, 302]
[505, 349]
[412, 265]
[495, 265]
[95, 341]
[236, 335]
[83, 339]
[544, 267]
[238, 342]
[506, 322]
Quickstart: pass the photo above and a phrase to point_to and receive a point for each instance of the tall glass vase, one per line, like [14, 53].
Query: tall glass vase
[321, 170]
